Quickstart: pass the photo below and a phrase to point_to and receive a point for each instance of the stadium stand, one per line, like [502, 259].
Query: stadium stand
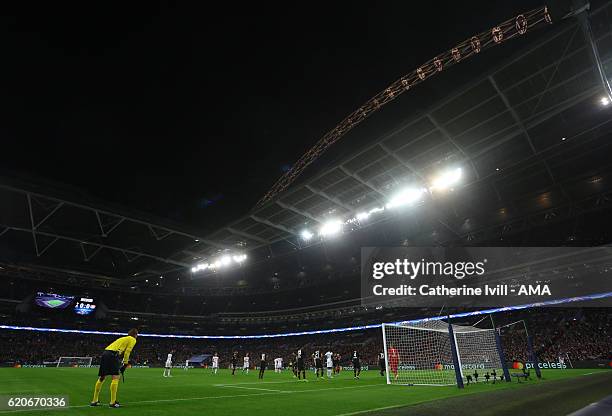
[580, 334]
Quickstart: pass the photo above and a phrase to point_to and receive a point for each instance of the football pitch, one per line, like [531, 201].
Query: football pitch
[198, 391]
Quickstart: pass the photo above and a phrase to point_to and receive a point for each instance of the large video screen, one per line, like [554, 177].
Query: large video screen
[84, 306]
[53, 300]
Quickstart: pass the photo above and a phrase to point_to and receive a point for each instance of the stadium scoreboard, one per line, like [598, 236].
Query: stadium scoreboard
[84, 306]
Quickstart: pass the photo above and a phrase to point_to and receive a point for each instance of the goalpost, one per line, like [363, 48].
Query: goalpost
[435, 353]
[519, 347]
[74, 362]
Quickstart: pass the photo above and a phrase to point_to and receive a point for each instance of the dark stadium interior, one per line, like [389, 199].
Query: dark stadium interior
[526, 122]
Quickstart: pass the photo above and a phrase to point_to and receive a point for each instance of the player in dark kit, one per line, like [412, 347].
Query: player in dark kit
[293, 364]
[381, 363]
[234, 362]
[356, 364]
[301, 371]
[337, 363]
[262, 366]
[318, 364]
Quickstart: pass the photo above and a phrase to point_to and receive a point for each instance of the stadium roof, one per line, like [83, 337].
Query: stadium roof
[531, 135]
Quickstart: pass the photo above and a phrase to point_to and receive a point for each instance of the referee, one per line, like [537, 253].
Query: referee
[110, 365]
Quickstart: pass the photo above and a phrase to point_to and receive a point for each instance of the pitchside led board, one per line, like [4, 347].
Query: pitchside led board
[482, 276]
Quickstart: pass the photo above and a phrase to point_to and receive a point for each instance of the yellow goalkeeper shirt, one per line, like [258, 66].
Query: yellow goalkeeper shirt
[123, 345]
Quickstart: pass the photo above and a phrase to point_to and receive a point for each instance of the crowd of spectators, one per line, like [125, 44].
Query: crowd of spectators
[573, 333]
[576, 334]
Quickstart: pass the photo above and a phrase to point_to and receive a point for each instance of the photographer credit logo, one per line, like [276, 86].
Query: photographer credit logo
[476, 276]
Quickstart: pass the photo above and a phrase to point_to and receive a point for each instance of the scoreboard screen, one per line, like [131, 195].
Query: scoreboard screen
[84, 306]
[53, 300]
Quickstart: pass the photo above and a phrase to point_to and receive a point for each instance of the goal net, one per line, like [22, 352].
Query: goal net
[422, 353]
[74, 362]
[518, 347]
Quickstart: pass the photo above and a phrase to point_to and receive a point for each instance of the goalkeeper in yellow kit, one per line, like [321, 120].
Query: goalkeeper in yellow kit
[111, 365]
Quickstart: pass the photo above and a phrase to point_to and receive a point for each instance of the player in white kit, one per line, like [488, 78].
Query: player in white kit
[215, 363]
[186, 365]
[245, 365]
[278, 365]
[168, 366]
[329, 363]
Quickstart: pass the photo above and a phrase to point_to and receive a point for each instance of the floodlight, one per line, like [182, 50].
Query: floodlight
[240, 258]
[406, 196]
[447, 179]
[194, 269]
[306, 235]
[605, 101]
[331, 227]
[225, 260]
[362, 216]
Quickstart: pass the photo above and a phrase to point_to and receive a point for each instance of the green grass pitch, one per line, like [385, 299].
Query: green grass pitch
[199, 392]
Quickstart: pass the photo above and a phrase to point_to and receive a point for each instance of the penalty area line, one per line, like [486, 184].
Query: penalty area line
[376, 409]
[258, 383]
[255, 388]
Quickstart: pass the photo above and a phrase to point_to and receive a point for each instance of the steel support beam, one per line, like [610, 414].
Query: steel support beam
[585, 24]
[106, 233]
[108, 213]
[365, 183]
[247, 235]
[49, 215]
[405, 164]
[32, 223]
[330, 198]
[448, 136]
[297, 211]
[519, 122]
[273, 225]
[86, 256]
[107, 246]
[160, 236]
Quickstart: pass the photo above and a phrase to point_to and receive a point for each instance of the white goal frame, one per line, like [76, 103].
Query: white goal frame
[88, 359]
[423, 346]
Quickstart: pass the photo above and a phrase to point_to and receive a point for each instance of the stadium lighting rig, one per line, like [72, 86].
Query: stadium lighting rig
[405, 197]
[306, 235]
[223, 261]
[503, 32]
[330, 228]
[447, 179]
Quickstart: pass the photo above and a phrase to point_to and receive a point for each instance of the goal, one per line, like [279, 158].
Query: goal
[74, 362]
[518, 347]
[435, 353]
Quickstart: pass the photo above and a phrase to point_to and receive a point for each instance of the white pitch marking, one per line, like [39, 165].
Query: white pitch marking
[260, 382]
[376, 409]
[256, 388]
[204, 398]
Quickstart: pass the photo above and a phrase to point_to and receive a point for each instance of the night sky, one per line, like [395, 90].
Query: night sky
[192, 112]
